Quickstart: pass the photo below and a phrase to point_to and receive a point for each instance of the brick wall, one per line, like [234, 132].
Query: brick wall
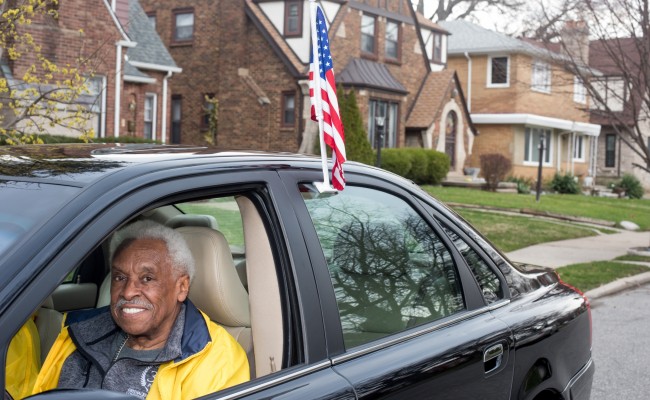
[84, 31]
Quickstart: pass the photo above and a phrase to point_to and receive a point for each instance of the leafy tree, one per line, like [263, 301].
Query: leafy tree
[45, 95]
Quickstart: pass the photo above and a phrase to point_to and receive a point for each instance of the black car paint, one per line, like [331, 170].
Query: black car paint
[542, 324]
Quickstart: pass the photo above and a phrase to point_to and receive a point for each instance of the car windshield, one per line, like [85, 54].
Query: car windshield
[24, 205]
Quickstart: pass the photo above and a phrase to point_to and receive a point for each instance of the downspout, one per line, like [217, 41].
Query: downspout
[163, 135]
[469, 82]
[572, 152]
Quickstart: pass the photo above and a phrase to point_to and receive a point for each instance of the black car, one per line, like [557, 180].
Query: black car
[377, 291]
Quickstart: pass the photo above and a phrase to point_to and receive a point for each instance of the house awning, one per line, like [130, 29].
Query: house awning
[538, 120]
[364, 73]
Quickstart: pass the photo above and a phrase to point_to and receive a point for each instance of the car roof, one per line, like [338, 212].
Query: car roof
[82, 164]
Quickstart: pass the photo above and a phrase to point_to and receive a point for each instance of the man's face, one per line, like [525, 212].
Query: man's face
[146, 292]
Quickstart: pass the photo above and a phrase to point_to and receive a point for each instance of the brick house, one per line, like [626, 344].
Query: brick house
[518, 93]
[253, 57]
[123, 73]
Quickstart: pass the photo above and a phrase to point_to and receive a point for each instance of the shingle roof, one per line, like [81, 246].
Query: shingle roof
[365, 73]
[150, 48]
[429, 100]
[130, 70]
[427, 23]
[468, 37]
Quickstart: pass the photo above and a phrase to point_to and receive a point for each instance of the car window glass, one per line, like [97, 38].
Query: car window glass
[487, 279]
[27, 204]
[389, 269]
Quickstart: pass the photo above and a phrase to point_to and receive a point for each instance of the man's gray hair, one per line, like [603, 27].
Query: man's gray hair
[179, 252]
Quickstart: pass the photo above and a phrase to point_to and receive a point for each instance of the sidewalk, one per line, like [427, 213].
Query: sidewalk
[588, 249]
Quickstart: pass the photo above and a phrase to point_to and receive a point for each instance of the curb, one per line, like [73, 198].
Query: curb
[618, 286]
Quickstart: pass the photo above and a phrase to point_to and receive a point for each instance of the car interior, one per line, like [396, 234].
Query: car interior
[237, 289]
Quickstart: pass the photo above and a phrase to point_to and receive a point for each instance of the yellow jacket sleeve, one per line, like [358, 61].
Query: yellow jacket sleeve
[23, 361]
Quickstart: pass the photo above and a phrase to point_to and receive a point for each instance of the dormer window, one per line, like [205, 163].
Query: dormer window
[292, 18]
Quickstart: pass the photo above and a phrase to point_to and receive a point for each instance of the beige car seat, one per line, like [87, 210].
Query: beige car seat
[48, 323]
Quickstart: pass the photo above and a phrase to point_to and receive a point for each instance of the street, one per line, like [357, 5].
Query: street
[621, 345]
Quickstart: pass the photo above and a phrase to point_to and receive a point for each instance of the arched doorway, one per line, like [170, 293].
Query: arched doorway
[451, 126]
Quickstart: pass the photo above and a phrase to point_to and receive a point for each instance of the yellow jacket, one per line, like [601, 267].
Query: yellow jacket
[220, 364]
[23, 361]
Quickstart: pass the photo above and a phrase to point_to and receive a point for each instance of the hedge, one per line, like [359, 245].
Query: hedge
[422, 166]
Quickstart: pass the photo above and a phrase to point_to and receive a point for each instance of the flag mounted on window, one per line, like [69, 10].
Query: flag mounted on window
[324, 104]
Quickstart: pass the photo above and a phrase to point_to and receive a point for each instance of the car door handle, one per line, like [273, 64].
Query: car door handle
[492, 357]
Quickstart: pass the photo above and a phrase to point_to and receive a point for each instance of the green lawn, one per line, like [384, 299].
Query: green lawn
[610, 209]
[225, 212]
[513, 232]
[630, 257]
[592, 275]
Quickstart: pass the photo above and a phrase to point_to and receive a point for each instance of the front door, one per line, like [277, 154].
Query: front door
[450, 137]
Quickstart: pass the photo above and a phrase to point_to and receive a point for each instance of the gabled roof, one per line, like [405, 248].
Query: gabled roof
[365, 73]
[275, 39]
[150, 53]
[434, 93]
[424, 22]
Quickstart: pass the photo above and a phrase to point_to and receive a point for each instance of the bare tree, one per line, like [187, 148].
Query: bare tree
[461, 9]
[615, 70]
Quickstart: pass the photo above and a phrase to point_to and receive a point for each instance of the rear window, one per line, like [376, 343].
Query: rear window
[25, 205]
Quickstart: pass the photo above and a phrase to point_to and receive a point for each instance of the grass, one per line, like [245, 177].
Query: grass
[592, 275]
[609, 209]
[631, 257]
[225, 212]
[510, 233]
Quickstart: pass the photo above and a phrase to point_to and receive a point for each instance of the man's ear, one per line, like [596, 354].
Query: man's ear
[184, 287]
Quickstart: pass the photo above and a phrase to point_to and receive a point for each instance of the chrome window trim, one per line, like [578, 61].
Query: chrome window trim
[466, 315]
[280, 379]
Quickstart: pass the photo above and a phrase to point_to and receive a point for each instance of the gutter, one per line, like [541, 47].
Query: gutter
[163, 134]
[469, 82]
[118, 82]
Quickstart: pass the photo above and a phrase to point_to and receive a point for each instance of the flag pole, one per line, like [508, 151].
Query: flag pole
[318, 96]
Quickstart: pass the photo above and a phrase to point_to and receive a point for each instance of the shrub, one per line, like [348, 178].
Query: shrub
[565, 184]
[396, 161]
[523, 184]
[494, 168]
[422, 166]
[632, 186]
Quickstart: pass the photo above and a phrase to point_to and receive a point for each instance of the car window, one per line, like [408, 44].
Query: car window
[389, 268]
[28, 204]
[226, 213]
[487, 279]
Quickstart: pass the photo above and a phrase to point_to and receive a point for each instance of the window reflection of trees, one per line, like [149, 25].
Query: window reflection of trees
[389, 270]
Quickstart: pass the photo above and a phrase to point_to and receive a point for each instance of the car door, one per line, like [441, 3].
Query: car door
[305, 371]
[405, 317]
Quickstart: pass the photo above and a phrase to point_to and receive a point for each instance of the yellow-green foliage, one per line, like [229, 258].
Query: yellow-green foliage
[45, 96]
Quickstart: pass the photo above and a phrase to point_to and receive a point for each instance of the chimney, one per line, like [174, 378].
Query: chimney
[575, 36]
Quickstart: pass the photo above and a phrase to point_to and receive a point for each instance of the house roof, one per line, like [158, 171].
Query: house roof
[427, 23]
[150, 53]
[471, 38]
[365, 73]
[429, 101]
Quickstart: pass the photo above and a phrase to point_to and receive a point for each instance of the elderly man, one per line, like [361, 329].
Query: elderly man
[152, 341]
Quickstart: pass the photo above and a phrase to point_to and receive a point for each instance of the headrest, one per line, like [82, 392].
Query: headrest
[192, 220]
[216, 289]
[48, 303]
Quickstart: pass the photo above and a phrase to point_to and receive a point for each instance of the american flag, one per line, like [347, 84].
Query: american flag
[327, 101]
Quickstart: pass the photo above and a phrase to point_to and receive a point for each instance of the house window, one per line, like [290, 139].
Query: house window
[579, 148]
[541, 77]
[388, 111]
[208, 110]
[152, 19]
[531, 150]
[293, 18]
[498, 71]
[579, 90]
[610, 150]
[149, 115]
[177, 102]
[437, 48]
[96, 101]
[368, 34]
[613, 93]
[288, 109]
[392, 40]
[183, 25]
